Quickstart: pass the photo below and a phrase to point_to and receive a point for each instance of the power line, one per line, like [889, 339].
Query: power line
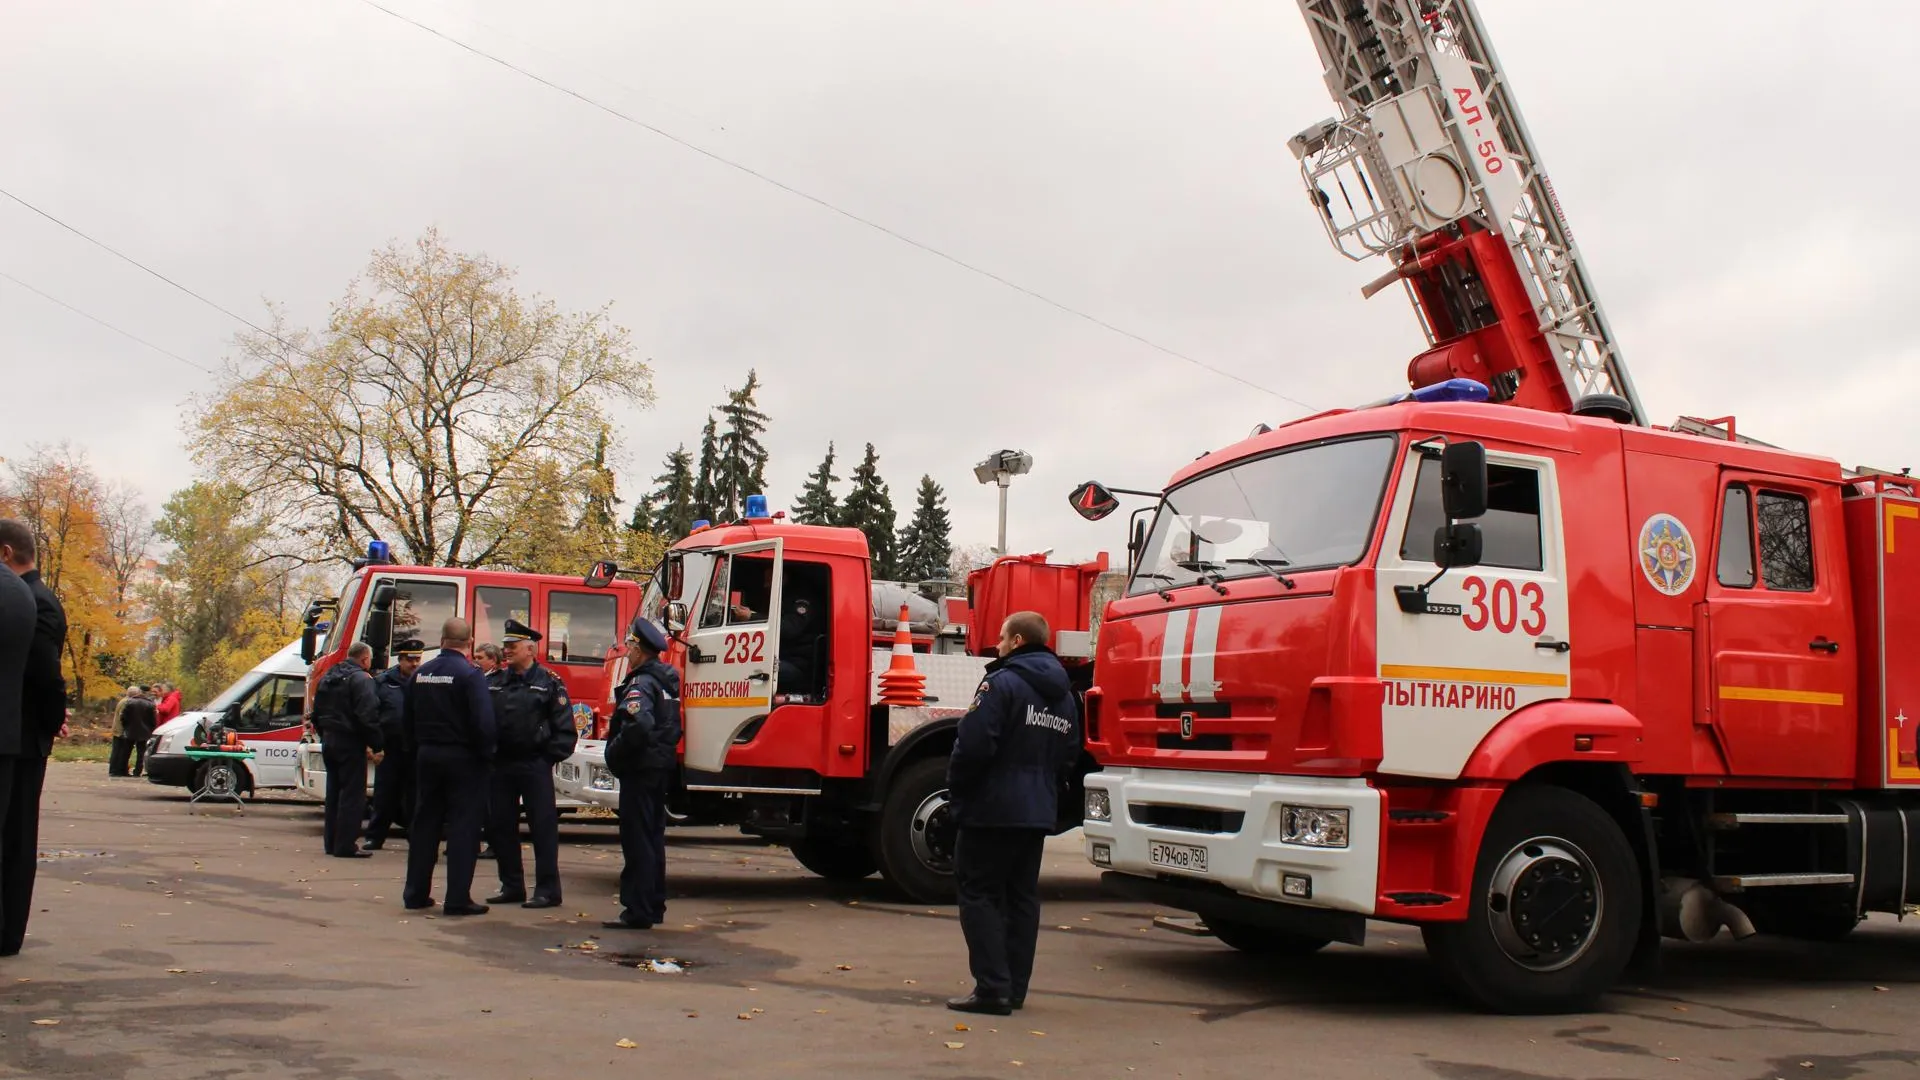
[823, 203]
[123, 256]
[95, 318]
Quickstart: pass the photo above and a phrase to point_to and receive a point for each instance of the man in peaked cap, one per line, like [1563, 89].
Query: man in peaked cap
[642, 754]
[535, 722]
[393, 776]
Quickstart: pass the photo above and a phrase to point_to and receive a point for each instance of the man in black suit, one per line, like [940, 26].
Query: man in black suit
[16, 642]
[43, 718]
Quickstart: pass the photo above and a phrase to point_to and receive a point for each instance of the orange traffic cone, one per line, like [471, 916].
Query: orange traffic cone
[903, 684]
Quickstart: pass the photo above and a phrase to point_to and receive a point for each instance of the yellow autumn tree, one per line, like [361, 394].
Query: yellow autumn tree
[433, 411]
[90, 537]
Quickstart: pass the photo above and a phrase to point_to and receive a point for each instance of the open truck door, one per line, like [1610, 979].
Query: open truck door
[733, 641]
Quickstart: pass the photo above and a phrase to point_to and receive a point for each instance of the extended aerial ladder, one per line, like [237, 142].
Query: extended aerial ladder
[1430, 164]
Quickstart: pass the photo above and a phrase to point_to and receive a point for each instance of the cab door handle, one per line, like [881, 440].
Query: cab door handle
[1830, 647]
[1556, 646]
[759, 676]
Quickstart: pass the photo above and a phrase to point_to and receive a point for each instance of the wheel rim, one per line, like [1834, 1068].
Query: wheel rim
[932, 833]
[221, 780]
[1544, 903]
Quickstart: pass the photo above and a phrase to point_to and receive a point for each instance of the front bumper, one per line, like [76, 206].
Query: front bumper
[1250, 860]
[583, 779]
[172, 770]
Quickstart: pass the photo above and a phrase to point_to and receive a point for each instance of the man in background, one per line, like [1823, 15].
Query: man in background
[641, 753]
[534, 721]
[44, 717]
[346, 713]
[137, 721]
[393, 776]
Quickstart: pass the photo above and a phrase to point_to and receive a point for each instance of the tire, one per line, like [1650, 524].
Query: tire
[913, 836]
[1265, 941]
[219, 779]
[835, 861]
[1566, 873]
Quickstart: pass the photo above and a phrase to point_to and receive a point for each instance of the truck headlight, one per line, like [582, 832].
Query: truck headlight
[1099, 805]
[1313, 826]
[602, 780]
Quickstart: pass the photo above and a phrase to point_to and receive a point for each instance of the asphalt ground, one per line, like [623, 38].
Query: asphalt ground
[172, 941]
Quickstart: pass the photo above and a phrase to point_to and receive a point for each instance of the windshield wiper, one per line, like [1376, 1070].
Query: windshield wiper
[1271, 568]
[1206, 573]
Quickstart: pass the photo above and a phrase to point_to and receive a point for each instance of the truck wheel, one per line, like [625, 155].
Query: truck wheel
[913, 837]
[1264, 941]
[834, 861]
[1555, 907]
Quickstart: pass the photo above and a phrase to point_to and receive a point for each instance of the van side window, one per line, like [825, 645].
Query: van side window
[492, 607]
[1736, 538]
[273, 705]
[1510, 529]
[580, 627]
[1786, 542]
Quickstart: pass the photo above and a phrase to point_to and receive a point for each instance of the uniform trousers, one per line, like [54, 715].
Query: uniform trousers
[529, 783]
[450, 794]
[643, 849]
[392, 792]
[346, 793]
[997, 874]
[21, 779]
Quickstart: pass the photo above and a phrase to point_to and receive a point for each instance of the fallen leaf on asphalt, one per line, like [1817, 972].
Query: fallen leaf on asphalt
[1036, 1033]
[822, 1012]
[1016, 1063]
[1673, 1059]
[843, 967]
[626, 1044]
[1063, 928]
[46, 1023]
[1804, 1064]
[553, 950]
[955, 1045]
[1679, 1008]
[1879, 989]
[909, 982]
[961, 1027]
[744, 1016]
[757, 1010]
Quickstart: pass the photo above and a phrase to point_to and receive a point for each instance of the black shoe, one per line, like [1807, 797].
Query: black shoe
[375, 845]
[622, 924]
[485, 853]
[422, 905]
[507, 898]
[1018, 1003]
[354, 855]
[974, 1003]
[542, 902]
[464, 909]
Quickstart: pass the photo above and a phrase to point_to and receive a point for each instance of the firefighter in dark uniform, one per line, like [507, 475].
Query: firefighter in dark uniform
[448, 721]
[393, 776]
[535, 725]
[1015, 749]
[346, 713]
[642, 753]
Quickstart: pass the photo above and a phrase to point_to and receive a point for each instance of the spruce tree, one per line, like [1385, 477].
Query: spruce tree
[926, 544]
[869, 508]
[670, 506]
[704, 501]
[740, 465]
[597, 518]
[817, 504]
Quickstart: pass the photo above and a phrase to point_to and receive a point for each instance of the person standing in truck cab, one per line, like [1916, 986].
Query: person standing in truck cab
[346, 713]
[393, 776]
[535, 722]
[1014, 749]
[642, 753]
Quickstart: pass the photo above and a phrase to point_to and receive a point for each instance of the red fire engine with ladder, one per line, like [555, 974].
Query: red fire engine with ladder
[1545, 681]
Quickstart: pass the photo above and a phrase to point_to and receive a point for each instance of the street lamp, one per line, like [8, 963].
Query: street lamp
[1000, 468]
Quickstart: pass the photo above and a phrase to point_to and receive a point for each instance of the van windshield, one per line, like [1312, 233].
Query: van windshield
[1309, 508]
[233, 693]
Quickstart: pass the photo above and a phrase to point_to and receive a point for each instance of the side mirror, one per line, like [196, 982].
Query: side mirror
[676, 616]
[1137, 545]
[602, 575]
[307, 635]
[1463, 480]
[1456, 546]
[383, 595]
[1093, 501]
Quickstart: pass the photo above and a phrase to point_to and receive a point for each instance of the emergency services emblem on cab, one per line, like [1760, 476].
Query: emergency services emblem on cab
[1667, 554]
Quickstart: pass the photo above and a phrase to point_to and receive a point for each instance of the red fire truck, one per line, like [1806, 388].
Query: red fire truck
[784, 642]
[1545, 681]
[383, 604]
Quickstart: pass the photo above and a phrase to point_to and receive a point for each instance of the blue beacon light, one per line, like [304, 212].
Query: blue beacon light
[756, 508]
[1451, 390]
[379, 552]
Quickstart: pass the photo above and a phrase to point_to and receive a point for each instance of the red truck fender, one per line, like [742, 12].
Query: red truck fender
[1556, 731]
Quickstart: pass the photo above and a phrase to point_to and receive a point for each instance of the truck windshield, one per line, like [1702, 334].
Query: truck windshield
[1309, 508]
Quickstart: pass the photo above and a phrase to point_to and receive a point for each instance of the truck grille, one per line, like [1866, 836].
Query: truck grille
[1187, 818]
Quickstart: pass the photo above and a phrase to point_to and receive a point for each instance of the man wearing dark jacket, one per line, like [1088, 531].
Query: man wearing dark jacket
[448, 720]
[346, 713]
[535, 724]
[1011, 756]
[43, 716]
[137, 720]
[393, 776]
[642, 753]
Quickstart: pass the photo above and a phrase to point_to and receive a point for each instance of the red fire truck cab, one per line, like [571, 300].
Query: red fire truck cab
[782, 638]
[1545, 685]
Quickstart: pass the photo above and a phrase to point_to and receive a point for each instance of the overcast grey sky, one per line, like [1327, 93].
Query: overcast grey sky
[1738, 176]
